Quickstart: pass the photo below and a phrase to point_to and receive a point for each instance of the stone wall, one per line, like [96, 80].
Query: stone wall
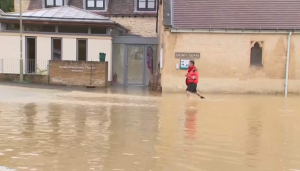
[32, 78]
[144, 26]
[78, 73]
[224, 65]
[25, 5]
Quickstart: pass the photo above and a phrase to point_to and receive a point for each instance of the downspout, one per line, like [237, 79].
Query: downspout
[157, 8]
[287, 65]
[161, 56]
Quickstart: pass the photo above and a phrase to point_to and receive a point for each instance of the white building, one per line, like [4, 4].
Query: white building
[60, 33]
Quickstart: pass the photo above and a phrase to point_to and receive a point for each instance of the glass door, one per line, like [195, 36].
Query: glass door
[135, 64]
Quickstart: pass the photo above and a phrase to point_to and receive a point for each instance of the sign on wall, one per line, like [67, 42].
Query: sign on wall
[183, 55]
[184, 63]
[78, 73]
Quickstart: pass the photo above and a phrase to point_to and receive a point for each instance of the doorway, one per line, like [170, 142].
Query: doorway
[30, 58]
[135, 65]
[139, 60]
[81, 50]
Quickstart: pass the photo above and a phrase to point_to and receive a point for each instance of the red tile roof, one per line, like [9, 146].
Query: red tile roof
[237, 14]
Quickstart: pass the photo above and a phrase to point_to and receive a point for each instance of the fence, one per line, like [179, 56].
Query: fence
[30, 66]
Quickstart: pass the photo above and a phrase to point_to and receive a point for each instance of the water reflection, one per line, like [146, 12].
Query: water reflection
[191, 123]
[54, 114]
[254, 133]
[28, 123]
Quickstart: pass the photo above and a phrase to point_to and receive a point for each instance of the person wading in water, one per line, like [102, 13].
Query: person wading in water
[192, 80]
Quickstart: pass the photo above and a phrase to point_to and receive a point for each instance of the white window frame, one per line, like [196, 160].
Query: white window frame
[54, 5]
[95, 9]
[137, 10]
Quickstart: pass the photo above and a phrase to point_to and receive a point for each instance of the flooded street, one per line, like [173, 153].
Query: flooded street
[126, 130]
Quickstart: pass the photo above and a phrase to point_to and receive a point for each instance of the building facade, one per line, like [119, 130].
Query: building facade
[237, 47]
[131, 49]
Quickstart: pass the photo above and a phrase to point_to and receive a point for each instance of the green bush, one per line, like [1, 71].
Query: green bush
[7, 5]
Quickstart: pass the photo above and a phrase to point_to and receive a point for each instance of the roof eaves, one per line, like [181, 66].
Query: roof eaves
[235, 30]
[68, 21]
[58, 19]
[54, 18]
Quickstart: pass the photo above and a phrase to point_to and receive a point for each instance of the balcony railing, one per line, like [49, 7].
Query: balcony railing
[30, 66]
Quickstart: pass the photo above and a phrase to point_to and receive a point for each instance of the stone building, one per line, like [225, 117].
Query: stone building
[127, 33]
[244, 46]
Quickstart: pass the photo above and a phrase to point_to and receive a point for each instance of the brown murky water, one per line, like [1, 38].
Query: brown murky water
[58, 130]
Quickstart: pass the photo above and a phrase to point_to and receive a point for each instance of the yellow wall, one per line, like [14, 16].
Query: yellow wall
[224, 65]
[25, 5]
[10, 49]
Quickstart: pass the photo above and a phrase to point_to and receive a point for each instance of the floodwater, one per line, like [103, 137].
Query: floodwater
[130, 130]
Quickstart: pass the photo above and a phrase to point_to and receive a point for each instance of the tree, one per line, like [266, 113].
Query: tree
[7, 5]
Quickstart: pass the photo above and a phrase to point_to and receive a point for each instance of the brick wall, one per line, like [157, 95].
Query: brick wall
[224, 65]
[145, 27]
[79, 73]
[37, 79]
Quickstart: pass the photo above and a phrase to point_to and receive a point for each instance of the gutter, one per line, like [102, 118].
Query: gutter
[173, 30]
[287, 65]
[66, 22]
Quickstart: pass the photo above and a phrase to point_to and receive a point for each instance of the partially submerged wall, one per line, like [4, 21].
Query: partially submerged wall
[32, 78]
[224, 64]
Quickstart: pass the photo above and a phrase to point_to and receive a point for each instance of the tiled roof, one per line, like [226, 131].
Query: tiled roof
[237, 14]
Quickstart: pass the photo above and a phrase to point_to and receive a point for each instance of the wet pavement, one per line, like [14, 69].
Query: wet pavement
[48, 129]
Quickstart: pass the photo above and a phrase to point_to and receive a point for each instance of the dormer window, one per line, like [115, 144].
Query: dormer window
[54, 3]
[95, 4]
[146, 5]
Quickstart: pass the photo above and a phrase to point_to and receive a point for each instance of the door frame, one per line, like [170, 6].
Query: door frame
[125, 76]
[26, 54]
[86, 47]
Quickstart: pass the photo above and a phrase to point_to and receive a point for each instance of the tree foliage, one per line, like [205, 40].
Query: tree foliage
[7, 5]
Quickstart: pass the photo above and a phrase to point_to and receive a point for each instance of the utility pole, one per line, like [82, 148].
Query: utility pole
[21, 42]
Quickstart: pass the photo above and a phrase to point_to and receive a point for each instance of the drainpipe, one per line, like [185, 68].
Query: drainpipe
[161, 56]
[287, 64]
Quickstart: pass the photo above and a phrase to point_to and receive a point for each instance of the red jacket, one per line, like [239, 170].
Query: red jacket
[192, 71]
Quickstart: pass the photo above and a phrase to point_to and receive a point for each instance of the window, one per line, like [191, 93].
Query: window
[72, 29]
[39, 28]
[95, 4]
[256, 54]
[146, 5]
[56, 49]
[81, 50]
[98, 30]
[14, 27]
[54, 3]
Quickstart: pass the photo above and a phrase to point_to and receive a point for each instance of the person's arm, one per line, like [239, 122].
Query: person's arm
[196, 75]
